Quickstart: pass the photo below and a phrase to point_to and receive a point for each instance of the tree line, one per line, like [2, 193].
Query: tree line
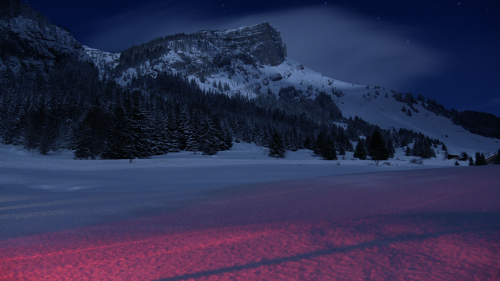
[70, 107]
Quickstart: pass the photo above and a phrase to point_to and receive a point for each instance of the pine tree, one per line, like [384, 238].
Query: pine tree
[160, 136]
[427, 150]
[328, 151]
[377, 148]
[209, 142]
[83, 149]
[319, 144]
[219, 133]
[408, 151]
[185, 129]
[173, 128]
[360, 151]
[227, 137]
[140, 130]
[480, 159]
[497, 159]
[118, 140]
[341, 150]
[471, 161]
[417, 149]
[91, 134]
[390, 148]
[277, 148]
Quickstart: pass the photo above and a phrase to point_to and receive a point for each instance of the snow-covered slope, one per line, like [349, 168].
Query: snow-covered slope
[252, 60]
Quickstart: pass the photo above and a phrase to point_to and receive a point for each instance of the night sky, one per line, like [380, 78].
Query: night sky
[445, 50]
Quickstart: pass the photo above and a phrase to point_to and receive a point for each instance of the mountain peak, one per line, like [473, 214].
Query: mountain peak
[29, 41]
[262, 41]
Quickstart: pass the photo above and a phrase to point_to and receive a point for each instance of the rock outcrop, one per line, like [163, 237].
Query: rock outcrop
[262, 42]
[31, 42]
[201, 53]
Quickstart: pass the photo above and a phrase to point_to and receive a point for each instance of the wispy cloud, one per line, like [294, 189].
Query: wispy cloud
[336, 42]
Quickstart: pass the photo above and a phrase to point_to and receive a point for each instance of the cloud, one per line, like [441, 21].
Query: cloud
[348, 47]
[336, 42]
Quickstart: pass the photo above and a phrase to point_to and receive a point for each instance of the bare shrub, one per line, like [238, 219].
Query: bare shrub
[417, 161]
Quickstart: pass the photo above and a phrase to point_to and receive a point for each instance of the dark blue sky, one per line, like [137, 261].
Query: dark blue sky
[445, 50]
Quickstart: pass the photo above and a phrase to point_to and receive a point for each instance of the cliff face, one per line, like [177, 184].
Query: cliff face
[242, 51]
[30, 42]
[262, 42]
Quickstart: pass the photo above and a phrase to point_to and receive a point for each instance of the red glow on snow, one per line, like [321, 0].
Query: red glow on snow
[339, 232]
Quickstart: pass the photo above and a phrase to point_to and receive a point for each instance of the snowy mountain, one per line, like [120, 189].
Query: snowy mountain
[29, 41]
[247, 61]
[252, 61]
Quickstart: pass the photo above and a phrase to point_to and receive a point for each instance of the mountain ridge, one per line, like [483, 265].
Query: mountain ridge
[248, 61]
[254, 79]
[30, 42]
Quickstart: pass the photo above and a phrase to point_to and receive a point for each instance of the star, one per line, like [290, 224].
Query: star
[408, 41]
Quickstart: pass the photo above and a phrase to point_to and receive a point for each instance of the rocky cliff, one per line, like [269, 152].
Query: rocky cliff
[262, 42]
[30, 41]
[199, 54]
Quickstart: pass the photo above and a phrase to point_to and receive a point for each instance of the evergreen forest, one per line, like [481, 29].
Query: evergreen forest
[71, 107]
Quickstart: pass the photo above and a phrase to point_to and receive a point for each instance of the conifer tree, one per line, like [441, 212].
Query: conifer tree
[341, 150]
[227, 137]
[209, 142]
[140, 130]
[160, 137]
[408, 151]
[417, 148]
[497, 159]
[276, 147]
[118, 140]
[83, 149]
[480, 159]
[426, 149]
[173, 127]
[218, 133]
[390, 148]
[378, 149]
[319, 144]
[360, 151]
[328, 151]
[91, 135]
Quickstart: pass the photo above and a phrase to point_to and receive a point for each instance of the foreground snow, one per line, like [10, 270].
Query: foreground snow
[143, 224]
